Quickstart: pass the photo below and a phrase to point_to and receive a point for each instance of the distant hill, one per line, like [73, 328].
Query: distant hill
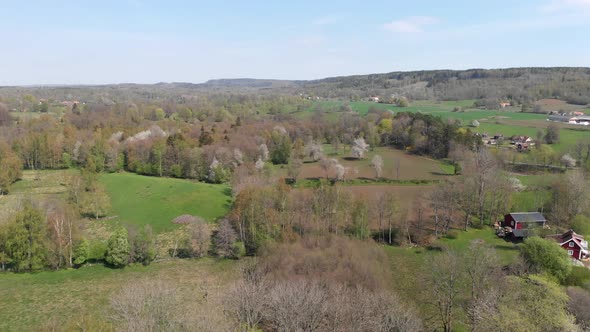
[570, 84]
[524, 84]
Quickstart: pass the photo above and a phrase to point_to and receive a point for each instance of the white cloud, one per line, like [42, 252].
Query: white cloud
[573, 6]
[410, 24]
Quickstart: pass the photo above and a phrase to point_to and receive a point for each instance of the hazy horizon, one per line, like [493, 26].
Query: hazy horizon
[147, 42]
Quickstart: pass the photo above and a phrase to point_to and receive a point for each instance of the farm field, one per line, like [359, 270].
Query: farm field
[568, 136]
[30, 301]
[411, 167]
[142, 200]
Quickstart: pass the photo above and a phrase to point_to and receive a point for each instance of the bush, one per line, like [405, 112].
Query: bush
[118, 249]
[82, 252]
[546, 256]
[580, 276]
[97, 251]
[238, 250]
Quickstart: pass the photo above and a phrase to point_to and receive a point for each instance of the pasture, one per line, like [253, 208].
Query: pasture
[142, 200]
[60, 299]
[397, 165]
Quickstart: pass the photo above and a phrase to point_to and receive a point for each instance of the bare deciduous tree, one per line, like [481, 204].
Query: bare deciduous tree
[147, 306]
[200, 237]
[444, 280]
[225, 239]
[296, 306]
[481, 269]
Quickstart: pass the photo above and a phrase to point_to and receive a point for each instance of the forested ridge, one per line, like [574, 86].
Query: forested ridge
[522, 85]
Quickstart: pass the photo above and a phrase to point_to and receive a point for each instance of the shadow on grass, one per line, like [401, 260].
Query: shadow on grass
[505, 248]
[441, 174]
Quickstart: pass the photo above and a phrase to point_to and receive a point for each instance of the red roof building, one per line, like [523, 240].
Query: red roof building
[574, 243]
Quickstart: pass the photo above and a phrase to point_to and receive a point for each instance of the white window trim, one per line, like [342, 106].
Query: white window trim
[572, 244]
[570, 252]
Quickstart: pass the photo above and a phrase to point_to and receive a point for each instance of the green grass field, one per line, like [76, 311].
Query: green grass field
[30, 300]
[142, 200]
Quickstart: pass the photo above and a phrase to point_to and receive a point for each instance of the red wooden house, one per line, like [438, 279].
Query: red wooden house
[574, 243]
[520, 223]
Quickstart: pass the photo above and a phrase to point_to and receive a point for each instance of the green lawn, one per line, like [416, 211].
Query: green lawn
[142, 200]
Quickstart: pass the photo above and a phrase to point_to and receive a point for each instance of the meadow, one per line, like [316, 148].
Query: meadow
[36, 301]
[142, 200]
[397, 165]
[135, 200]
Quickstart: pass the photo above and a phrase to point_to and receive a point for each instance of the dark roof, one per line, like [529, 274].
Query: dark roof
[567, 236]
[528, 217]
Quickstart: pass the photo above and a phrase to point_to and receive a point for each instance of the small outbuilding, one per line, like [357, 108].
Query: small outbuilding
[520, 223]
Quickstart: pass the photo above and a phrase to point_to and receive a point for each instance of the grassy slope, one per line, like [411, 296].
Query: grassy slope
[30, 300]
[142, 200]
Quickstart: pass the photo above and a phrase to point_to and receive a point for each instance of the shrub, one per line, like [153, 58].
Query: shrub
[546, 256]
[118, 249]
[82, 252]
[97, 251]
[579, 276]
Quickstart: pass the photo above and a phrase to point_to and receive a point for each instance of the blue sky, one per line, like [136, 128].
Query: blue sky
[141, 41]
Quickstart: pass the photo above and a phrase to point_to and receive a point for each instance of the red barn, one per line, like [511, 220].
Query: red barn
[574, 243]
[520, 223]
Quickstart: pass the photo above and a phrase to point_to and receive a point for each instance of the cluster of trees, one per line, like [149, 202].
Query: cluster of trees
[51, 237]
[32, 241]
[496, 299]
[427, 134]
[264, 213]
[282, 291]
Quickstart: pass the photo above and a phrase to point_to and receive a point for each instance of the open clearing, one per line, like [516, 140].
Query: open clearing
[36, 186]
[142, 200]
[411, 167]
[31, 300]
